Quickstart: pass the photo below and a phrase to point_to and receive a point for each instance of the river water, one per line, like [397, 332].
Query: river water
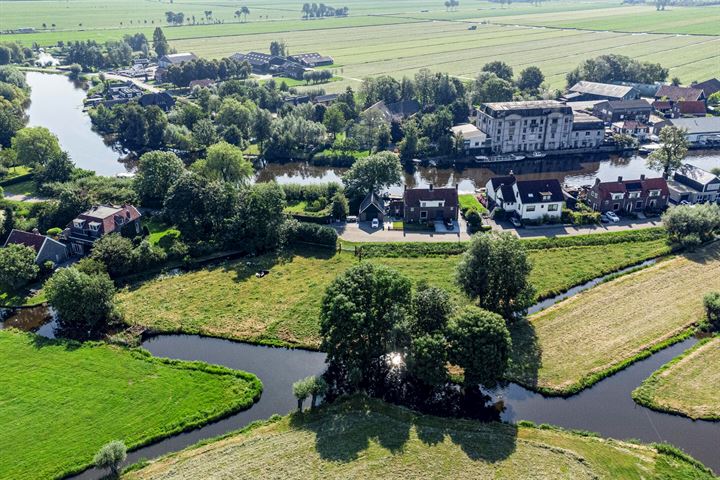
[57, 104]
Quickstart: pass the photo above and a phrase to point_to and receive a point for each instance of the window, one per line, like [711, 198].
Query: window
[423, 215]
[530, 208]
[553, 207]
[616, 206]
[638, 204]
[654, 193]
[94, 227]
[77, 248]
[78, 223]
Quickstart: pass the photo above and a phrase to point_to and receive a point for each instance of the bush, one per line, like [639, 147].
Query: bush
[17, 266]
[474, 220]
[690, 226]
[580, 217]
[311, 233]
[711, 301]
[111, 456]
[296, 192]
[336, 158]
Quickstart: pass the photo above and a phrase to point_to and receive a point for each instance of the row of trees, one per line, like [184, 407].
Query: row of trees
[14, 98]
[11, 52]
[223, 69]
[617, 68]
[317, 76]
[318, 10]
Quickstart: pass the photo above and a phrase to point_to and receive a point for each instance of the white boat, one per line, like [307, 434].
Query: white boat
[517, 157]
[510, 157]
[537, 155]
[482, 158]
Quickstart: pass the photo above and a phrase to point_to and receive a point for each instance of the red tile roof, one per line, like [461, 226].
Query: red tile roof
[605, 189]
[688, 107]
[33, 240]
[111, 218]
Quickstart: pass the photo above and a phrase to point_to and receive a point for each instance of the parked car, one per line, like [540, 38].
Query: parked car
[375, 223]
[449, 225]
[516, 222]
[612, 217]
[351, 219]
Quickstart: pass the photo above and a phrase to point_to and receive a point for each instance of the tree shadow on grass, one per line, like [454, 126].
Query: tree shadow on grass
[526, 355]
[705, 254]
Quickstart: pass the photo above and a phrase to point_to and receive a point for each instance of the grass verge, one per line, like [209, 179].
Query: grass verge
[366, 438]
[688, 385]
[63, 400]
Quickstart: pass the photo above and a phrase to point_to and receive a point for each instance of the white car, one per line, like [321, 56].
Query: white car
[375, 223]
[612, 216]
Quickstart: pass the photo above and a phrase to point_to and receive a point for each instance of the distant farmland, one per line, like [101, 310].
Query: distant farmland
[398, 38]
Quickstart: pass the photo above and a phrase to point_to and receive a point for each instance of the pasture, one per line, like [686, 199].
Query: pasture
[688, 385]
[61, 401]
[584, 338]
[362, 438]
[399, 38]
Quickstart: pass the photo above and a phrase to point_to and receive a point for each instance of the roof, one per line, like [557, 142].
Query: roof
[708, 86]
[527, 105]
[502, 180]
[605, 189]
[413, 196]
[584, 104]
[661, 105]
[625, 104]
[585, 121]
[205, 82]
[533, 191]
[698, 125]
[508, 194]
[467, 130]
[692, 107]
[601, 89]
[696, 173]
[372, 199]
[629, 124]
[676, 92]
[32, 240]
[176, 58]
[405, 108]
[108, 215]
[327, 98]
[161, 98]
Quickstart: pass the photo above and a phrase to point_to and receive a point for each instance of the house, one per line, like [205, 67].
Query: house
[632, 128]
[289, 69]
[326, 100]
[175, 59]
[526, 199]
[313, 59]
[700, 131]
[676, 93]
[46, 248]
[611, 111]
[527, 126]
[202, 83]
[708, 87]
[430, 204]
[691, 108]
[473, 137]
[666, 108]
[587, 131]
[99, 221]
[372, 206]
[396, 111]
[162, 99]
[629, 195]
[694, 185]
[584, 90]
[260, 62]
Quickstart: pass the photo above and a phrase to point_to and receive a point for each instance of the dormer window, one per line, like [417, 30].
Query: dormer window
[94, 226]
[79, 223]
[654, 193]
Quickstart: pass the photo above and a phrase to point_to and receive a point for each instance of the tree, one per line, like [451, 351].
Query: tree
[711, 302]
[5, 55]
[501, 69]
[156, 173]
[302, 389]
[427, 359]
[204, 133]
[371, 174]
[278, 48]
[63, 291]
[160, 43]
[34, 146]
[17, 266]
[115, 252]
[530, 79]
[672, 151]
[57, 169]
[495, 271]
[334, 120]
[360, 309]
[690, 226]
[318, 388]
[340, 207]
[479, 343]
[490, 88]
[226, 162]
[431, 309]
[256, 223]
[409, 144]
[111, 456]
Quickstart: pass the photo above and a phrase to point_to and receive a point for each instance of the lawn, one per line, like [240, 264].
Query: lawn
[27, 188]
[588, 336]
[362, 438]
[688, 385]
[62, 401]
[159, 230]
[283, 307]
[469, 200]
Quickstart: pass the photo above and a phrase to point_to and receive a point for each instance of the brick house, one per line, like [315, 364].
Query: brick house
[430, 204]
[90, 226]
[46, 248]
[629, 195]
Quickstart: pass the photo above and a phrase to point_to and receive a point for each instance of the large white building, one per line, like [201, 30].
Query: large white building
[526, 126]
[528, 199]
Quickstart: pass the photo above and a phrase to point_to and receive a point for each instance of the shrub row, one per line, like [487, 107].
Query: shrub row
[336, 158]
[296, 192]
[312, 233]
[16, 180]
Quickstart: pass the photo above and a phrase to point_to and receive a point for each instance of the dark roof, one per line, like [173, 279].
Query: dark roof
[585, 121]
[708, 86]
[625, 104]
[405, 108]
[530, 107]
[697, 174]
[372, 199]
[32, 240]
[533, 191]
[413, 196]
[162, 99]
[508, 194]
[692, 107]
[675, 93]
[601, 89]
[504, 180]
[327, 98]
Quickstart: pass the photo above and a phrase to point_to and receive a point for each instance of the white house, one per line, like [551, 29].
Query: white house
[527, 199]
[473, 137]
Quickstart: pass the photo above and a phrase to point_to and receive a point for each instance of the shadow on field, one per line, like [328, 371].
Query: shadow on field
[703, 255]
[345, 435]
[250, 266]
[526, 353]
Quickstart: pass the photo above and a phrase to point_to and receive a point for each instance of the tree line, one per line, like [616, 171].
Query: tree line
[318, 10]
[223, 69]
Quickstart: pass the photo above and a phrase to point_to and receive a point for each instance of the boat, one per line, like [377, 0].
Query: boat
[516, 157]
[537, 155]
[482, 158]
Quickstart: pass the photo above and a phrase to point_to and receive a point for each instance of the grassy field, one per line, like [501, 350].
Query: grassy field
[283, 307]
[398, 38]
[585, 337]
[27, 188]
[62, 401]
[688, 385]
[363, 438]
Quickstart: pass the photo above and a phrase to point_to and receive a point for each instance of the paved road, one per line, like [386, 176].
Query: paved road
[136, 81]
[561, 230]
[24, 198]
[361, 232]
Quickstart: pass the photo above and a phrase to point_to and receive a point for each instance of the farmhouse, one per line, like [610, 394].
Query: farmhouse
[311, 59]
[708, 87]
[600, 91]
[473, 137]
[694, 185]
[327, 99]
[675, 93]
[430, 204]
[632, 128]
[629, 195]
[526, 199]
[90, 226]
[372, 207]
[611, 111]
[46, 248]
[175, 59]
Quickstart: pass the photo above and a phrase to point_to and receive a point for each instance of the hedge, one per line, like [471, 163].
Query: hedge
[337, 158]
[16, 180]
[313, 233]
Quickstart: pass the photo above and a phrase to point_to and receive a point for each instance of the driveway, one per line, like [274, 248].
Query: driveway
[560, 230]
[362, 232]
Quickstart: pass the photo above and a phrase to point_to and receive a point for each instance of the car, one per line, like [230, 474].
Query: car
[449, 225]
[612, 217]
[516, 222]
[351, 219]
[684, 202]
[375, 223]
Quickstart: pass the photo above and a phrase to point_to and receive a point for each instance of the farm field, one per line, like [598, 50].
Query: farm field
[688, 385]
[399, 38]
[362, 438]
[283, 308]
[61, 401]
[585, 337]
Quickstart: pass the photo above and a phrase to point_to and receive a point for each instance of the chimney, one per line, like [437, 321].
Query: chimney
[457, 185]
[35, 231]
[642, 177]
[430, 187]
[620, 179]
[597, 181]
